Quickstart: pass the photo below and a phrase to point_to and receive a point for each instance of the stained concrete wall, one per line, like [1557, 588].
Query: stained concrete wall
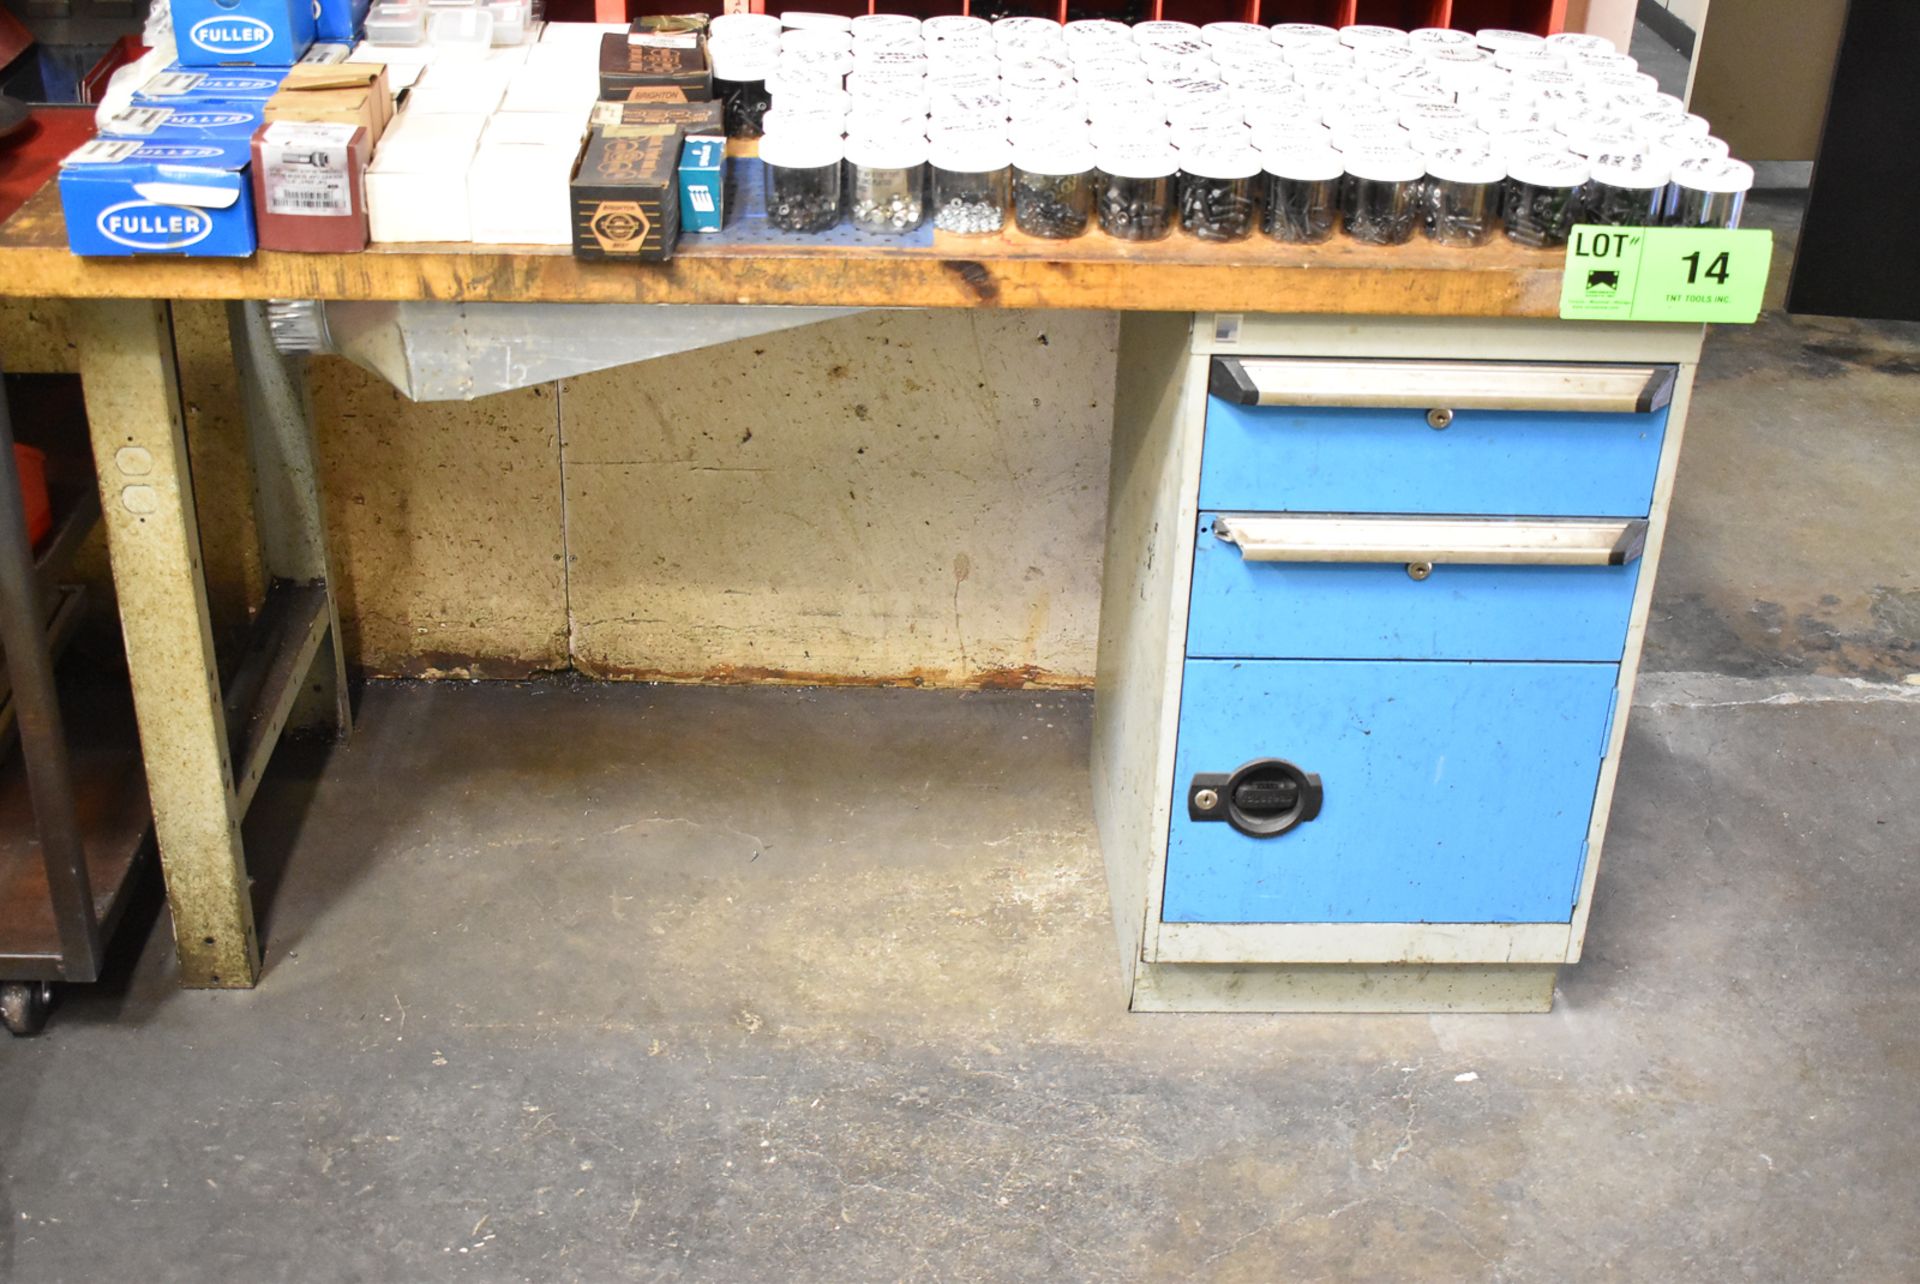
[892, 497]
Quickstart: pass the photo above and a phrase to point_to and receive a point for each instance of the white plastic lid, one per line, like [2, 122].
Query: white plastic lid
[1581, 40]
[1591, 64]
[879, 22]
[1638, 171]
[810, 39]
[1464, 54]
[1363, 34]
[824, 62]
[1153, 33]
[1547, 169]
[1713, 174]
[1098, 28]
[1539, 79]
[1293, 35]
[1227, 35]
[943, 25]
[1671, 124]
[1375, 58]
[1061, 152]
[1136, 160]
[741, 63]
[1508, 118]
[969, 152]
[1675, 150]
[886, 150]
[1416, 115]
[1317, 55]
[727, 26]
[1384, 164]
[805, 21]
[800, 148]
[1465, 165]
[1211, 160]
[1502, 38]
[1440, 37]
[1419, 91]
[1303, 163]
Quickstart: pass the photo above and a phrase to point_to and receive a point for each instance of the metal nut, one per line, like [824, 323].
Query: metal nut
[1419, 570]
[1206, 799]
[1439, 417]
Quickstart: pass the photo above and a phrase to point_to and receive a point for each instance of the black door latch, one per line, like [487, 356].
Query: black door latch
[1263, 799]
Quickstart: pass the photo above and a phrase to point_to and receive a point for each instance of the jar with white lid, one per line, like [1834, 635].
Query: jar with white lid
[1660, 126]
[1163, 32]
[1544, 197]
[1053, 181]
[802, 178]
[970, 182]
[730, 26]
[1627, 189]
[1218, 191]
[1464, 190]
[1710, 192]
[1583, 41]
[1361, 35]
[1500, 38]
[1381, 194]
[1134, 195]
[887, 182]
[740, 72]
[1293, 35]
[1303, 193]
[803, 20]
[1589, 65]
[1675, 150]
[1440, 37]
[874, 24]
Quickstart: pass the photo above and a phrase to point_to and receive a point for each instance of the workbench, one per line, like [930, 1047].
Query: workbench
[1354, 490]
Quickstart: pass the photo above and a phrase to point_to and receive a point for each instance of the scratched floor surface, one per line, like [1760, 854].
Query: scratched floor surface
[573, 982]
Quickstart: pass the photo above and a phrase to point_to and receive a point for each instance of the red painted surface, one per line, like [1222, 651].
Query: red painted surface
[29, 159]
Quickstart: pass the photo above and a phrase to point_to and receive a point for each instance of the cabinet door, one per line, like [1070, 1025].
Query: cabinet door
[1448, 792]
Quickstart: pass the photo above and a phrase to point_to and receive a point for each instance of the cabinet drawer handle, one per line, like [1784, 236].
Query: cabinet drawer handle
[1458, 385]
[1435, 541]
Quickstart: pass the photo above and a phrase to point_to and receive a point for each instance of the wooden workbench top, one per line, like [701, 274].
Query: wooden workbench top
[1179, 274]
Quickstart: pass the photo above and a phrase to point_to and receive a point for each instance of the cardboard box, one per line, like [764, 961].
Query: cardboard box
[545, 91]
[339, 19]
[242, 33]
[190, 122]
[178, 85]
[517, 188]
[125, 196]
[697, 118]
[345, 93]
[676, 60]
[626, 203]
[309, 185]
[417, 182]
[703, 183]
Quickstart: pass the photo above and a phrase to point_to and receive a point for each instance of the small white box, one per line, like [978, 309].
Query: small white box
[536, 129]
[532, 90]
[416, 183]
[565, 59]
[584, 34]
[392, 56]
[517, 193]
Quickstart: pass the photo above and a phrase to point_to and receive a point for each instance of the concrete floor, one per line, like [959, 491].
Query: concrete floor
[588, 983]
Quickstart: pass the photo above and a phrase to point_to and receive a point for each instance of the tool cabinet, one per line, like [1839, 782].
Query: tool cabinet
[1373, 606]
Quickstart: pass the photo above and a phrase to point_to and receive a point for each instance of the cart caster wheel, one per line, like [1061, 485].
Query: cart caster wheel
[24, 1006]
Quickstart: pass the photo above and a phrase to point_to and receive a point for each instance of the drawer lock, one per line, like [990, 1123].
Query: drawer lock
[1263, 799]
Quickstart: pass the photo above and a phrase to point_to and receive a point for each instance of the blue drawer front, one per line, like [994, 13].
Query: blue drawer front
[1344, 610]
[1495, 462]
[1454, 792]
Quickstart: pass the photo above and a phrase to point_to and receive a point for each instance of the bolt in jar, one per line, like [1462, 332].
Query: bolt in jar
[1627, 189]
[886, 182]
[1303, 193]
[1381, 194]
[1217, 192]
[1053, 182]
[1710, 192]
[1543, 197]
[970, 182]
[802, 168]
[1463, 197]
[1134, 197]
[740, 72]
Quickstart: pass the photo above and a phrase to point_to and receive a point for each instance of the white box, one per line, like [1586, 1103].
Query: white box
[563, 58]
[418, 178]
[586, 34]
[517, 193]
[536, 129]
[532, 90]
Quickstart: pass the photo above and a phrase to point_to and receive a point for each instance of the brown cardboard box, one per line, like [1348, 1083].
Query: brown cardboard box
[345, 93]
[697, 118]
[626, 199]
[310, 185]
[677, 60]
[657, 94]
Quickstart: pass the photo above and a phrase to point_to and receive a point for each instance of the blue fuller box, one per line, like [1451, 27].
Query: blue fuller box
[338, 20]
[177, 85]
[126, 196]
[242, 33]
[188, 122]
[703, 184]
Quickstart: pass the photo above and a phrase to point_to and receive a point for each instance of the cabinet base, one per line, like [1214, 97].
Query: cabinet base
[1199, 987]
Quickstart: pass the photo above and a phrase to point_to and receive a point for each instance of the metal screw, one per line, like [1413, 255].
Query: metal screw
[1439, 418]
[1206, 799]
[1419, 570]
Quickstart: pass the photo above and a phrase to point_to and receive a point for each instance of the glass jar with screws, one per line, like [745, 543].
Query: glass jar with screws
[802, 168]
[970, 182]
[1463, 197]
[1627, 189]
[1134, 195]
[1053, 186]
[740, 74]
[1303, 193]
[1543, 197]
[886, 182]
[1710, 192]
[1217, 192]
[1381, 194]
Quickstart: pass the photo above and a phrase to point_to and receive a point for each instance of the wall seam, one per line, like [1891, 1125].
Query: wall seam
[566, 533]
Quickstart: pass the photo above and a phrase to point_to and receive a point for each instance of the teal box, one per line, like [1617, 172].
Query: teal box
[703, 184]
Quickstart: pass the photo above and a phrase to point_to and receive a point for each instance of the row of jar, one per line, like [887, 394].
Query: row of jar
[1059, 187]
